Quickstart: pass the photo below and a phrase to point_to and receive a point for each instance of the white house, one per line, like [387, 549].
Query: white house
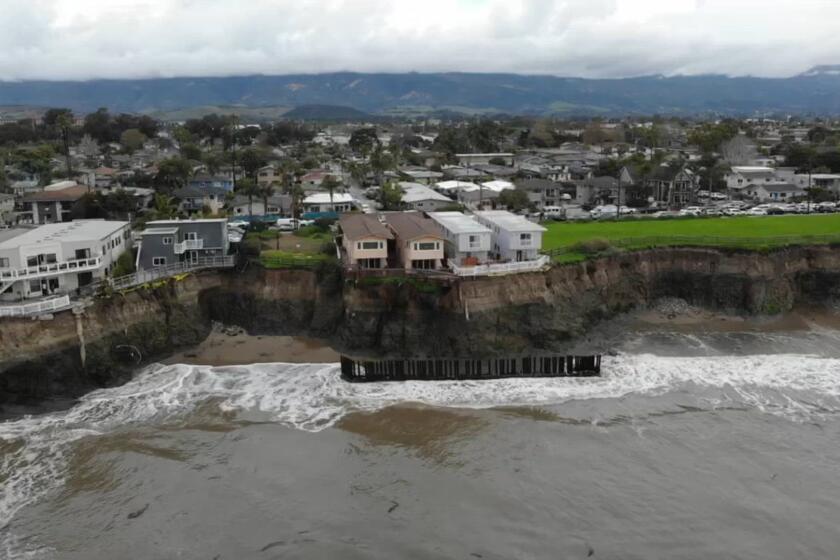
[320, 202]
[514, 237]
[467, 241]
[740, 177]
[56, 259]
[775, 192]
[422, 198]
[498, 186]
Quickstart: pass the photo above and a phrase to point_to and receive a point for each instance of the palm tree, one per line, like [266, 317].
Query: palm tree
[164, 207]
[265, 192]
[65, 122]
[249, 188]
[330, 184]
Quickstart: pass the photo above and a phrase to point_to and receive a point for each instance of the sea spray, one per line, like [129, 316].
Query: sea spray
[312, 397]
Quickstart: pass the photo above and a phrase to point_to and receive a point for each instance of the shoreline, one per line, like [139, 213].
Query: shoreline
[232, 346]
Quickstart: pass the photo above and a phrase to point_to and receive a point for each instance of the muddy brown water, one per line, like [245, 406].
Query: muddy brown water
[693, 445]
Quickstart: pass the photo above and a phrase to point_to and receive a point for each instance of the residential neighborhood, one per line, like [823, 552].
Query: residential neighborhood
[406, 196]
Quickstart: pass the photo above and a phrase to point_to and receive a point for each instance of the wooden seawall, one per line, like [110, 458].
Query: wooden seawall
[436, 369]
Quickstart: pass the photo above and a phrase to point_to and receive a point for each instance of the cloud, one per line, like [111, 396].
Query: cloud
[83, 39]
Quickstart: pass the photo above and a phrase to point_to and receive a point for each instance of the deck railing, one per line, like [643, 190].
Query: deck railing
[35, 308]
[50, 269]
[500, 269]
[189, 245]
[151, 274]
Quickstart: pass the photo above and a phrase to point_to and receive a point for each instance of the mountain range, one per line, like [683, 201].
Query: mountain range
[816, 91]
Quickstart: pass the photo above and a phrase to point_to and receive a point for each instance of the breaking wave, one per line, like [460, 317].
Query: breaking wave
[34, 450]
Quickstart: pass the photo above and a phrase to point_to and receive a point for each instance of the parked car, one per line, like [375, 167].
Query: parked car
[292, 224]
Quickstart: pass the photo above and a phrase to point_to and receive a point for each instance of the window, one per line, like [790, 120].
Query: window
[167, 241]
[4, 262]
[34, 286]
[51, 258]
[158, 261]
[31, 261]
[525, 237]
[191, 236]
[371, 245]
[426, 246]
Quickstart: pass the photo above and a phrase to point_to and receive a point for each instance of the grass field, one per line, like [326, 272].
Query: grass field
[576, 241]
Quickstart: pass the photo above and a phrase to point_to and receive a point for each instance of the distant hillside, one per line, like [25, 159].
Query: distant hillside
[815, 91]
[325, 112]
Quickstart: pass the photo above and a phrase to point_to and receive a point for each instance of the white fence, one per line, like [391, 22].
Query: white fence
[35, 308]
[48, 269]
[152, 274]
[500, 269]
[189, 245]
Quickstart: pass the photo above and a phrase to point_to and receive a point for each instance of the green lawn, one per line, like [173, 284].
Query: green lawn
[284, 259]
[575, 241]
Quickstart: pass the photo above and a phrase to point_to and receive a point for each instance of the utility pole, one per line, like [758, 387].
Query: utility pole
[618, 199]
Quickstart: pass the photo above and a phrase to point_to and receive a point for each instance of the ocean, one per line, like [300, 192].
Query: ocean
[689, 446]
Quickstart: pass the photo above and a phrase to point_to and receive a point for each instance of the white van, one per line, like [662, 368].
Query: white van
[554, 213]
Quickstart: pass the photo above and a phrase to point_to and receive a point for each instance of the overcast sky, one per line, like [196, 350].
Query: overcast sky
[82, 39]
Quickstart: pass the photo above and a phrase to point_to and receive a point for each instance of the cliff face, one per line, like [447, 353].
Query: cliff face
[513, 313]
[75, 352]
[550, 310]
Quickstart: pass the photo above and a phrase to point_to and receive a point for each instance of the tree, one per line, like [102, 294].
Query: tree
[248, 187]
[514, 200]
[191, 152]
[173, 174]
[710, 137]
[380, 162]
[330, 184]
[64, 122]
[252, 160]
[98, 125]
[364, 140]
[266, 192]
[738, 150]
[164, 207]
[132, 139]
[390, 196]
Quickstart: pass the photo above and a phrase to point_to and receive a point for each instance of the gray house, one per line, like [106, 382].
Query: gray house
[167, 242]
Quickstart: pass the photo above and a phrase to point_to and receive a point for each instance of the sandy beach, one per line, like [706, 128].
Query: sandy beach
[228, 346]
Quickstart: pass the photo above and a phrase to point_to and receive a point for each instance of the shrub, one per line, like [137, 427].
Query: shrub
[251, 247]
[592, 246]
[125, 265]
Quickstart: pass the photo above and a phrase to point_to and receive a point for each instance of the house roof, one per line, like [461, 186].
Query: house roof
[498, 186]
[415, 192]
[456, 186]
[456, 222]
[411, 225]
[324, 198]
[779, 187]
[360, 226]
[510, 222]
[78, 230]
[159, 231]
[69, 194]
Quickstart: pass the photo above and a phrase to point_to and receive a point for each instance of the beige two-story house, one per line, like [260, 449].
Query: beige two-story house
[419, 241]
[364, 240]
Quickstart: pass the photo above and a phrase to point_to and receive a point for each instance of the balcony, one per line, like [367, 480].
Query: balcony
[50, 269]
[189, 245]
[33, 309]
[501, 269]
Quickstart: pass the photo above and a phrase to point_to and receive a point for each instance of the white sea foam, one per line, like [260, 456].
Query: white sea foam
[313, 397]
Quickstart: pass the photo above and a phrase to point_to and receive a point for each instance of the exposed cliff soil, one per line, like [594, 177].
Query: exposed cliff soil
[73, 353]
[550, 310]
[555, 310]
